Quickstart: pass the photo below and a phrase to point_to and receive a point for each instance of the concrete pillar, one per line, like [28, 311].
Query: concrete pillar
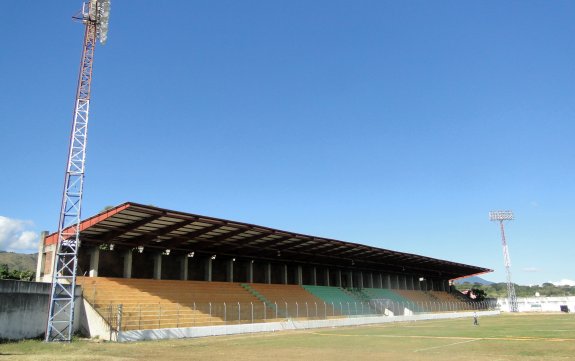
[158, 266]
[350, 279]
[338, 278]
[326, 276]
[94, 261]
[403, 282]
[299, 275]
[184, 267]
[388, 281]
[251, 272]
[284, 274]
[269, 273]
[128, 264]
[230, 271]
[370, 280]
[314, 276]
[208, 270]
[41, 256]
[360, 285]
[379, 280]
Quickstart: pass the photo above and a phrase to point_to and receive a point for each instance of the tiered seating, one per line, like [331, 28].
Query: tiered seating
[415, 296]
[300, 303]
[451, 301]
[160, 304]
[341, 301]
[397, 302]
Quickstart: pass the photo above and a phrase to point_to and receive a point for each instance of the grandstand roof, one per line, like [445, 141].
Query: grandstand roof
[131, 225]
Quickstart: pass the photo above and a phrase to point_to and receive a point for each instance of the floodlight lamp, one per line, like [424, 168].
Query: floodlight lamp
[191, 254]
[111, 247]
[214, 256]
[233, 259]
[421, 279]
[501, 215]
[140, 249]
[167, 252]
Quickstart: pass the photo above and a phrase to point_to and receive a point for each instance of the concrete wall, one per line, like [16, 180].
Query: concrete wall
[288, 324]
[539, 304]
[24, 309]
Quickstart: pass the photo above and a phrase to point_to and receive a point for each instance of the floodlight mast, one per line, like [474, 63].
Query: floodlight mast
[95, 15]
[501, 216]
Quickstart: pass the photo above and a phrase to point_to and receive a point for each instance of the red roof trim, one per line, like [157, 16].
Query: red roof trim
[53, 238]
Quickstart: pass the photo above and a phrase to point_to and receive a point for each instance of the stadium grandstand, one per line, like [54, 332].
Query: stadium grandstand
[142, 267]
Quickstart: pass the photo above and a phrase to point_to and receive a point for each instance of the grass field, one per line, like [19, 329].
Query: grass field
[504, 337]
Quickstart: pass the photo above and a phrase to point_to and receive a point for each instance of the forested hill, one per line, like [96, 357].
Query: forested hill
[499, 290]
[19, 261]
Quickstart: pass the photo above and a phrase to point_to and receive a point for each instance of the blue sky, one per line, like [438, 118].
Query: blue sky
[394, 124]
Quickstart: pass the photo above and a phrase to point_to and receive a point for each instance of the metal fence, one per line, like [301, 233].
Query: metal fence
[141, 316]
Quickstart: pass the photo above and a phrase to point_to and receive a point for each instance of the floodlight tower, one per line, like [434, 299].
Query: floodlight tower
[501, 216]
[95, 16]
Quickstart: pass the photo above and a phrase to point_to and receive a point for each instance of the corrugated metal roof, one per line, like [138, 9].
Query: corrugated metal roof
[130, 225]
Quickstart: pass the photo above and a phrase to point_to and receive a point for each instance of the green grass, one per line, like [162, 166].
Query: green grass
[506, 337]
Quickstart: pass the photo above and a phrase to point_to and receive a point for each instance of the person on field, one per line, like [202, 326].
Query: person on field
[475, 322]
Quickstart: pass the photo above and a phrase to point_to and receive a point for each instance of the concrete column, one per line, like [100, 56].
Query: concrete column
[284, 274]
[326, 276]
[314, 276]
[379, 280]
[94, 261]
[158, 266]
[445, 285]
[230, 271]
[417, 284]
[208, 270]
[370, 280]
[388, 281]
[338, 278]
[404, 282]
[41, 256]
[350, 279]
[184, 267]
[268, 273]
[128, 264]
[251, 272]
[360, 285]
[299, 275]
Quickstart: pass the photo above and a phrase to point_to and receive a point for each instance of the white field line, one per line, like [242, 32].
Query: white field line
[451, 344]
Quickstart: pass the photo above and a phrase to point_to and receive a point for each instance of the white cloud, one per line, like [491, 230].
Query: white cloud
[564, 282]
[16, 235]
[531, 269]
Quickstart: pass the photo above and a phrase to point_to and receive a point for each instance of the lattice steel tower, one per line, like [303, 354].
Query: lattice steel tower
[501, 216]
[94, 15]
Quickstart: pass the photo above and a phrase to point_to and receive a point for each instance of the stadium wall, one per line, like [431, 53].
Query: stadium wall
[24, 309]
[288, 324]
[539, 304]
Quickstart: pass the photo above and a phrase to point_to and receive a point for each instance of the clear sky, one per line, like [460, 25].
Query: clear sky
[397, 124]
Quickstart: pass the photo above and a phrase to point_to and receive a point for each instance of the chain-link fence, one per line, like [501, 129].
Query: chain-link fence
[139, 316]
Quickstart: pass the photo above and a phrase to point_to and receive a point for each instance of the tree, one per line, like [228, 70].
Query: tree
[479, 294]
[6, 274]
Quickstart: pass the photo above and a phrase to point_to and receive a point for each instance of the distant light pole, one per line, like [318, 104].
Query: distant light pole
[501, 216]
